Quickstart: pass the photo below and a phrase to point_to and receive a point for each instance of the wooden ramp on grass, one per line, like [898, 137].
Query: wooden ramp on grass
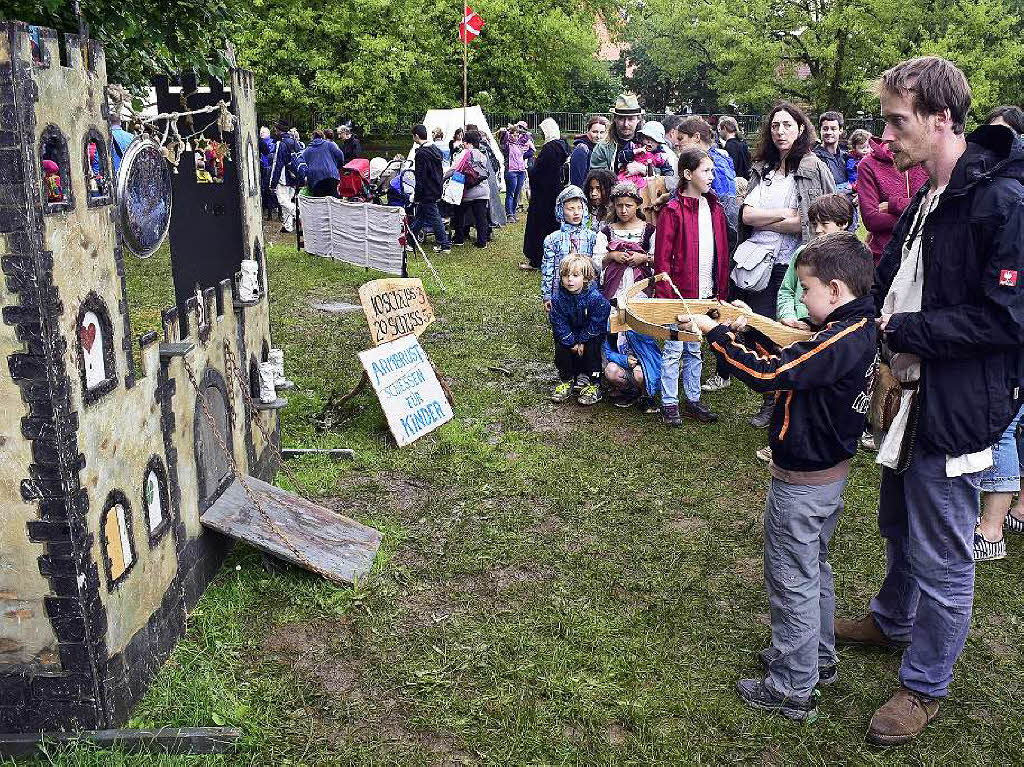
[330, 544]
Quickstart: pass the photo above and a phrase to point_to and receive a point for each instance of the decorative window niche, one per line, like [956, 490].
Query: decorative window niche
[39, 57]
[252, 165]
[99, 184]
[155, 500]
[118, 548]
[55, 167]
[211, 158]
[96, 349]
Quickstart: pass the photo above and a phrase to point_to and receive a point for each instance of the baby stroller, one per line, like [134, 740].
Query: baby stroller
[401, 188]
[355, 181]
[363, 181]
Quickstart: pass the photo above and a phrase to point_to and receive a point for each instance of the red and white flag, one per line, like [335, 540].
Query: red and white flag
[470, 26]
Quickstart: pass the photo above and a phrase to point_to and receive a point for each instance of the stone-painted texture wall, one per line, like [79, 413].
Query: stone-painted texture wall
[97, 573]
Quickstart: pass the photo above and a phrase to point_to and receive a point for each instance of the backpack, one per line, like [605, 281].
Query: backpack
[473, 176]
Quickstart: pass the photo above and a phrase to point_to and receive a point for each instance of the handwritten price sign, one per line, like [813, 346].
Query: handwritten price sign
[394, 308]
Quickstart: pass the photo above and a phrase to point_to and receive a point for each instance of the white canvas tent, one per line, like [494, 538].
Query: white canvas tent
[449, 120]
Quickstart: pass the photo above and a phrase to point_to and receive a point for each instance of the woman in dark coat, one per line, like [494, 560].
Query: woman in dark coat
[545, 184]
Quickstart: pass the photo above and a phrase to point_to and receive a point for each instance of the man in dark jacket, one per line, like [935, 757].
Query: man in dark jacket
[348, 143]
[830, 128]
[950, 288]
[321, 163]
[428, 173]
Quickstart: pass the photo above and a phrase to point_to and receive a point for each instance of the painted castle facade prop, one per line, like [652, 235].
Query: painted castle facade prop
[104, 472]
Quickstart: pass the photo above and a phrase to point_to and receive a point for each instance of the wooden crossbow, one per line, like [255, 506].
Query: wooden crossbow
[650, 316]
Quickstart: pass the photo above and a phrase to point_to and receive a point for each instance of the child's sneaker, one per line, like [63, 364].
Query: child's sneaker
[986, 550]
[562, 392]
[756, 694]
[590, 395]
[627, 400]
[1013, 524]
[670, 415]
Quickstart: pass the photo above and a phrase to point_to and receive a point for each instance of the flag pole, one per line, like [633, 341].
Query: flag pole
[465, 75]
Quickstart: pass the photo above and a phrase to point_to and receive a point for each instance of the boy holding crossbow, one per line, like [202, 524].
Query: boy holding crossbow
[822, 396]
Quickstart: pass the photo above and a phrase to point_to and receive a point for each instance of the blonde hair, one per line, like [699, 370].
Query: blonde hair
[573, 260]
[437, 133]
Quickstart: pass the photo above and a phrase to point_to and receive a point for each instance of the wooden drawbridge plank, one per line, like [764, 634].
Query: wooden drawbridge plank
[334, 546]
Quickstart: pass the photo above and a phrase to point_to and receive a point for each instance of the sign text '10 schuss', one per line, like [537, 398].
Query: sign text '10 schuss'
[394, 308]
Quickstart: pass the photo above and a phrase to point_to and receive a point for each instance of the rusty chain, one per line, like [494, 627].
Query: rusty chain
[230, 363]
[252, 495]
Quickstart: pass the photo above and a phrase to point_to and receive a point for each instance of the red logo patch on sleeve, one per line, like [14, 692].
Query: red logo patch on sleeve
[1008, 278]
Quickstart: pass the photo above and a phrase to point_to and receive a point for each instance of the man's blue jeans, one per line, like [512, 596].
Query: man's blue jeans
[927, 520]
[427, 214]
[514, 180]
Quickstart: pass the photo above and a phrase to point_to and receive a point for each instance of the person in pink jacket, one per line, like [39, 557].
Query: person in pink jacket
[883, 193]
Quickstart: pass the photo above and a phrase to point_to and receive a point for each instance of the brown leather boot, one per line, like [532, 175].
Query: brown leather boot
[864, 632]
[902, 718]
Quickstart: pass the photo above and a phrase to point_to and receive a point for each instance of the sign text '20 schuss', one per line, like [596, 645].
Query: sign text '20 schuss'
[407, 387]
[395, 308]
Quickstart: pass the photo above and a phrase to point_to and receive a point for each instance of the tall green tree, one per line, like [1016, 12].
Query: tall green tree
[383, 63]
[825, 52]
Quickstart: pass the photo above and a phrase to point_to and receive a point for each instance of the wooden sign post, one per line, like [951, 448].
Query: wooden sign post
[395, 307]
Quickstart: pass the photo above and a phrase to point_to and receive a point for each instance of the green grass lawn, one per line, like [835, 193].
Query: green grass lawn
[555, 585]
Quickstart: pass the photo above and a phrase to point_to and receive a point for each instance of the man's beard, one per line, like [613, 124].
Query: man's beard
[902, 160]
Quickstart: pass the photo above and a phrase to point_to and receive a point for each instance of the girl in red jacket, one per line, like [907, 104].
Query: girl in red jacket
[692, 246]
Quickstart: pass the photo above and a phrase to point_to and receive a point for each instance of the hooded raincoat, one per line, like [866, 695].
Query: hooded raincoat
[570, 238]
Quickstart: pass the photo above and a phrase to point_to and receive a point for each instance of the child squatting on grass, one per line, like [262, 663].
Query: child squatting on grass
[579, 319]
[823, 395]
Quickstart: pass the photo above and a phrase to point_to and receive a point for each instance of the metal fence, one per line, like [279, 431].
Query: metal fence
[572, 123]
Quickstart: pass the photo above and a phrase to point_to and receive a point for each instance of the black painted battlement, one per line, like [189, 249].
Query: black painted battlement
[77, 680]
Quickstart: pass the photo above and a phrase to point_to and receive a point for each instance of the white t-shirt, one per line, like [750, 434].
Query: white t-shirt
[775, 191]
[705, 250]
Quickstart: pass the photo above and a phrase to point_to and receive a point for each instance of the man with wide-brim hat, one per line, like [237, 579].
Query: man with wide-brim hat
[615, 153]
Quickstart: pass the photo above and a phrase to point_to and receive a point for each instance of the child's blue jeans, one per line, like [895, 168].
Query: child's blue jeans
[676, 355]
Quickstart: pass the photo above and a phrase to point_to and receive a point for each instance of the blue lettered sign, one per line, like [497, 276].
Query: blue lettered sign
[408, 390]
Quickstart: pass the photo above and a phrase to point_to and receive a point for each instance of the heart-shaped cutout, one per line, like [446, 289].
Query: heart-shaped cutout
[87, 335]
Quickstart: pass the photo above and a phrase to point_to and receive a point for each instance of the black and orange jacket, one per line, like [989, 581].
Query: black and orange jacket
[823, 386]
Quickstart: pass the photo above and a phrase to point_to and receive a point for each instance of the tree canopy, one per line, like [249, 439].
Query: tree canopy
[141, 38]
[820, 52]
[383, 63]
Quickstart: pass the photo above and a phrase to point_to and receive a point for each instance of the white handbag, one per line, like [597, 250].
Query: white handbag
[453, 189]
[753, 268]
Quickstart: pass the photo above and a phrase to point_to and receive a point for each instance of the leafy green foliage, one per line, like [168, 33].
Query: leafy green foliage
[141, 38]
[822, 52]
[383, 64]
